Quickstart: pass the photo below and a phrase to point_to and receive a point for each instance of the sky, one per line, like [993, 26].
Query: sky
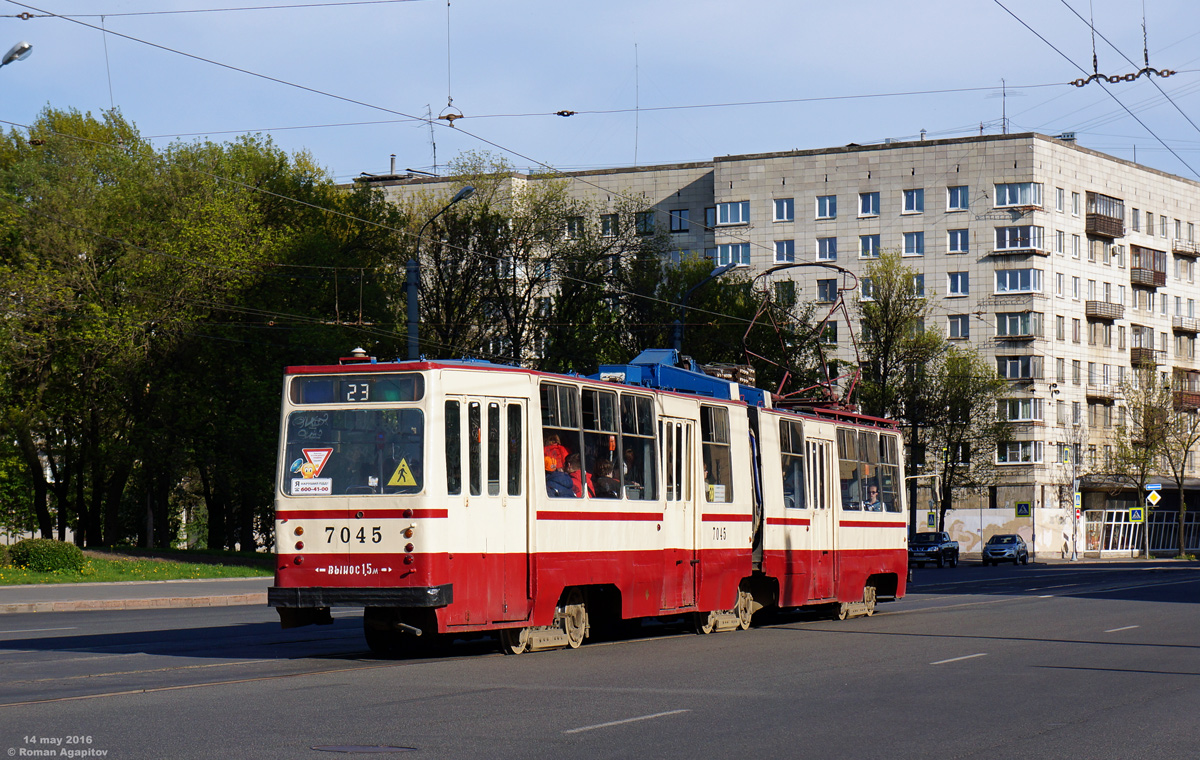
[650, 82]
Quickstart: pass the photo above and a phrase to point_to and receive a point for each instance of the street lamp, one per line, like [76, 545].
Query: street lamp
[17, 52]
[413, 276]
[683, 302]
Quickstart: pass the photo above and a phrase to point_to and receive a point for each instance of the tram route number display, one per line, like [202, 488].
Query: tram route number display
[346, 535]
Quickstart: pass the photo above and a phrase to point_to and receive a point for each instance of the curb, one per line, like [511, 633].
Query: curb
[167, 602]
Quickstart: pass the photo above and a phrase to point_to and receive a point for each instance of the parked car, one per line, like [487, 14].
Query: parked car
[1005, 547]
[933, 547]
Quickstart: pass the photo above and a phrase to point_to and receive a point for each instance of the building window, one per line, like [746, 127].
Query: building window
[1059, 242]
[733, 253]
[1075, 330]
[644, 222]
[958, 241]
[1026, 237]
[1162, 226]
[785, 293]
[733, 213]
[1018, 324]
[956, 198]
[1136, 218]
[574, 227]
[785, 210]
[1020, 409]
[1075, 288]
[1060, 332]
[867, 286]
[1018, 281]
[1019, 452]
[831, 333]
[917, 285]
[1074, 204]
[679, 220]
[1059, 197]
[868, 204]
[609, 226]
[827, 207]
[914, 201]
[1076, 371]
[960, 326]
[1019, 367]
[959, 283]
[827, 291]
[1019, 194]
[827, 249]
[868, 246]
[1059, 279]
[914, 244]
[785, 251]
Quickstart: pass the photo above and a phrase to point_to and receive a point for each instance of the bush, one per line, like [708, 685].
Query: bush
[5, 560]
[46, 555]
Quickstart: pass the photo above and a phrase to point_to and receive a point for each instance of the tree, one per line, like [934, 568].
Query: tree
[967, 418]
[1141, 436]
[1180, 435]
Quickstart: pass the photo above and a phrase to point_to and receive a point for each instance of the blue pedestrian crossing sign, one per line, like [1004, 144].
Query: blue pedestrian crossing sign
[1137, 515]
[1024, 508]
[931, 520]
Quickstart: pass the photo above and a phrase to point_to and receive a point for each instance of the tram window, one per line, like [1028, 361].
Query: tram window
[639, 469]
[791, 447]
[362, 389]
[889, 473]
[849, 470]
[514, 449]
[474, 447]
[493, 449]
[561, 435]
[358, 452]
[600, 438]
[453, 449]
[718, 459]
[868, 452]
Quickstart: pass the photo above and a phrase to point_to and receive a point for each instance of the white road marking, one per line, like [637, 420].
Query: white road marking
[39, 630]
[621, 722]
[956, 659]
[1126, 628]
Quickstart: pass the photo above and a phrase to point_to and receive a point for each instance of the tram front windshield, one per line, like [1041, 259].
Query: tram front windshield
[353, 451]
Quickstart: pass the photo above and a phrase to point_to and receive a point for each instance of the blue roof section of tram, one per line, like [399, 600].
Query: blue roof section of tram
[658, 368]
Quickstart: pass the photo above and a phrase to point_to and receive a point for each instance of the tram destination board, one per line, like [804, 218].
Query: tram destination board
[358, 389]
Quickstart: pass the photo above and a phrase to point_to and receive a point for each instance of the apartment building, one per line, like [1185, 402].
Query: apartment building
[1067, 267]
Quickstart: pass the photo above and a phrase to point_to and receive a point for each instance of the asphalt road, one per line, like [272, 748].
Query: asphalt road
[1091, 661]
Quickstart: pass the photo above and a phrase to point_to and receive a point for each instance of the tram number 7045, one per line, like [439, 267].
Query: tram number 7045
[345, 535]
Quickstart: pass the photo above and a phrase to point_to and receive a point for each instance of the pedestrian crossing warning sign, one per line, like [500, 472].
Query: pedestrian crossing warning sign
[1137, 515]
[1024, 509]
[403, 475]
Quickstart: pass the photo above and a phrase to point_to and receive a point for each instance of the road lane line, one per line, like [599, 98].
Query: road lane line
[1126, 628]
[622, 722]
[956, 659]
[39, 630]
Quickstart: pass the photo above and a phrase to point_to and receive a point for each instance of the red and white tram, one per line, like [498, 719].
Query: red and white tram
[458, 497]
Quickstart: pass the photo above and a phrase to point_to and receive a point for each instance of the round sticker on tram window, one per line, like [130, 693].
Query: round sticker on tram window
[295, 468]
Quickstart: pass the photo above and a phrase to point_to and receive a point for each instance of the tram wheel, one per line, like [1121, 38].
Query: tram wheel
[706, 622]
[382, 638]
[869, 597]
[514, 640]
[575, 618]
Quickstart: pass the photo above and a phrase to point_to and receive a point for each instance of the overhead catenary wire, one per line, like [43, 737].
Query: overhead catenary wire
[27, 16]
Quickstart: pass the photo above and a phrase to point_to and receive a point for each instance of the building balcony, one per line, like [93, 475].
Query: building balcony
[1104, 310]
[1187, 401]
[1187, 248]
[1101, 392]
[1185, 324]
[1100, 225]
[1148, 278]
[1146, 357]
[1017, 337]
[1026, 251]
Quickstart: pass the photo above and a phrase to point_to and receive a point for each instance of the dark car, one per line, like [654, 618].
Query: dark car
[933, 547]
[1005, 547]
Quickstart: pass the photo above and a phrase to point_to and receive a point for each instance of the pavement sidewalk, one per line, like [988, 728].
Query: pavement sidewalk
[134, 595]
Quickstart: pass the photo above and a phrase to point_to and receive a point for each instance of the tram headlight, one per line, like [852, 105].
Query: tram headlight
[299, 530]
[408, 532]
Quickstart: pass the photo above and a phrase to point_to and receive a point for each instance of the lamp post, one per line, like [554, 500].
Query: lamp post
[17, 52]
[683, 302]
[413, 276]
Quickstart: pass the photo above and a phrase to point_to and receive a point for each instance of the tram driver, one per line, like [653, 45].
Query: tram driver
[873, 504]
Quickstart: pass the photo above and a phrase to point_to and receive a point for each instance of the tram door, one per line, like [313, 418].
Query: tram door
[497, 504]
[679, 517]
[822, 481]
